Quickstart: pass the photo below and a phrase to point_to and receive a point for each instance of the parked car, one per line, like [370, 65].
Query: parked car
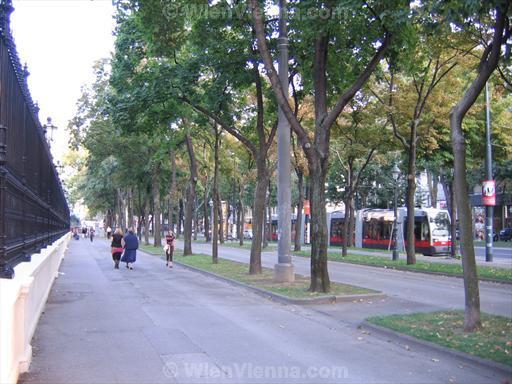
[506, 234]
[248, 234]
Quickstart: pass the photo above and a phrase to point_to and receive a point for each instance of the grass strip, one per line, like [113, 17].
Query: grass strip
[152, 249]
[493, 341]
[239, 272]
[499, 274]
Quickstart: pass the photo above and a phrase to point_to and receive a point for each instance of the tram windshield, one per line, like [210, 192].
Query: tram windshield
[440, 224]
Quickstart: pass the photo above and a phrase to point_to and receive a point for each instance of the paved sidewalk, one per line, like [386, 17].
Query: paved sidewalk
[156, 325]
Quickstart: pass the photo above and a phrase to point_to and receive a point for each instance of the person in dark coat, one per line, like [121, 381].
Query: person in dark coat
[117, 246]
[131, 244]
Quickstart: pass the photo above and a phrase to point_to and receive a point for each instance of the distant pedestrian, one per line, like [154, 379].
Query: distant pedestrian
[109, 232]
[91, 233]
[169, 248]
[131, 244]
[117, 246]
[84, 232]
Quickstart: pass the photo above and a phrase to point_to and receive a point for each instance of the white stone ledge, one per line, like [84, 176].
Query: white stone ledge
[22, 300]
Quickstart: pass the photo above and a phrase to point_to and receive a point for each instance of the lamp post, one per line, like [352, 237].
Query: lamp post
[395, 172]
[489, 201]
[210, 203]
[283, 270]
[215, 233]
[267, 226]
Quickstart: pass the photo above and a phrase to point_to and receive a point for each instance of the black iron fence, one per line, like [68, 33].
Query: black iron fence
[33, 208]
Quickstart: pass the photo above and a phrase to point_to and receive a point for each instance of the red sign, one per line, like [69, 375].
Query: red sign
[489, 192]
[307, 208]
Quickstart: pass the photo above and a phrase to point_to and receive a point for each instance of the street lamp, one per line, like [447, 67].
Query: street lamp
[49, 126]
[395, 173]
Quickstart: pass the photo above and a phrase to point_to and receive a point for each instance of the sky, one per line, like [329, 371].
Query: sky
[60, 40]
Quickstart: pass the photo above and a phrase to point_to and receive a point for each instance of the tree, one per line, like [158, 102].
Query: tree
[500, 31]
[361, 133]
[318, 41]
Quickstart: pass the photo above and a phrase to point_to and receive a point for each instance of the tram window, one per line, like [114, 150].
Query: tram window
[386, 230]
[337, 228]
[417, 230]
[421, 229]
[440, 224]
[425, 230]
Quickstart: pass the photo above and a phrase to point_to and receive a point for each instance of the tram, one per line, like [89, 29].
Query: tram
[374, 229]
[272, 236]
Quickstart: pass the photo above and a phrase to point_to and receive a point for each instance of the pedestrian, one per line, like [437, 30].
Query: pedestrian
[169, 248]
[109, 232]
[91, 234]
[84, 232]
[131, 244]
[117, 246]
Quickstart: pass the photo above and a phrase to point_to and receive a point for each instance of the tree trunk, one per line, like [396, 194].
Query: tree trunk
[241, 215]
[449, 194]
[239, 221]
[140, 207]
[300, 207]
[319, 237]
[351, 221]
[215, 198]
[221, 218]
[215, 225]
[348, 223]
[172, 192]
[122, 215]
[432, 181]
[228, 214]
[146, 218]
[471, 289]
[129, 206]
[453, 223]
[206, 215]
[488, 63]
[191, 197]
[157, 239]
[257, 217]
[411, 190]
[180, 218]
[344, 240]
[267, 220]
[196, 219]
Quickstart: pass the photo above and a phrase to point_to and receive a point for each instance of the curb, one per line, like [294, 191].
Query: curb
[329, 299]
[470, 359]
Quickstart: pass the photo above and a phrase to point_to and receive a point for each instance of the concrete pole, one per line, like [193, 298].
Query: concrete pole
[489, 209]
[283, 270]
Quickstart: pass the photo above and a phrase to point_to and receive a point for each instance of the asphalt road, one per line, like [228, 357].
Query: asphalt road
[160, 325]
[500, 254]
[421, 289]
